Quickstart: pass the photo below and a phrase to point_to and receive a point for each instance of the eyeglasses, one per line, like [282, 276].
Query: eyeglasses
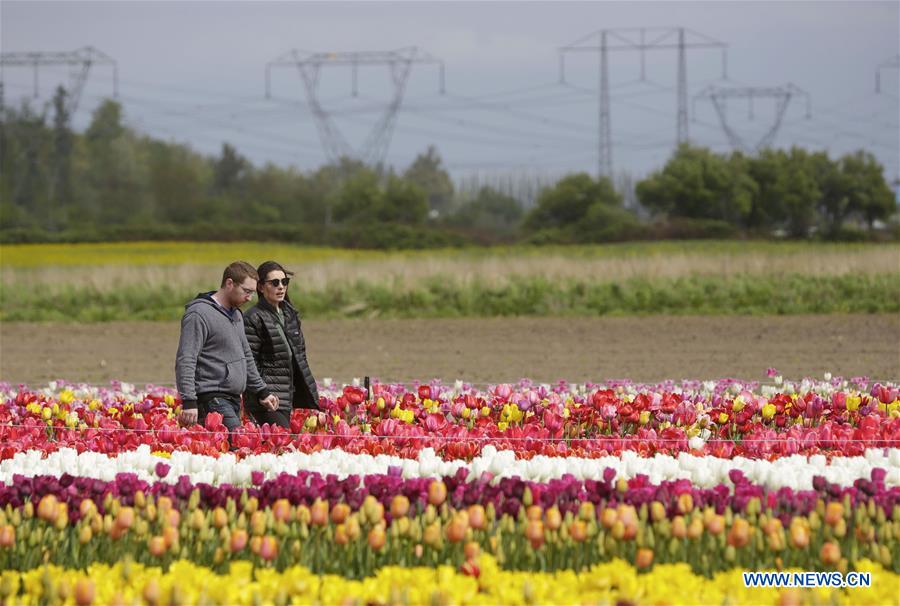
[248, 291]
[278, 282]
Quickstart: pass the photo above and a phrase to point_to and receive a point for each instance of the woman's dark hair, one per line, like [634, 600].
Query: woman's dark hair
[263, 271]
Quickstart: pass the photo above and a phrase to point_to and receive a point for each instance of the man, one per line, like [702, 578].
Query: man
[214, 364]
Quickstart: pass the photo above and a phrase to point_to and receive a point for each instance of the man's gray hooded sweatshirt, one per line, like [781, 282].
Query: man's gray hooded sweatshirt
[213, 353]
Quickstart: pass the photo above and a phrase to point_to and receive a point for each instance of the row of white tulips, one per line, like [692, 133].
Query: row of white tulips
[795, 472]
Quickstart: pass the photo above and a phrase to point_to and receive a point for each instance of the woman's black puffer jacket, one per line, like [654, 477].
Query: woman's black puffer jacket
[273, 357]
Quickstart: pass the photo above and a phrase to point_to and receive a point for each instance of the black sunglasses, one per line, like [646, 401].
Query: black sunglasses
[278, 282]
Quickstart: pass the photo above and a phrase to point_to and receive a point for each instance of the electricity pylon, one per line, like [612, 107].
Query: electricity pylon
[782, 95]
[82, 58]
[310, 65]
[631, 39]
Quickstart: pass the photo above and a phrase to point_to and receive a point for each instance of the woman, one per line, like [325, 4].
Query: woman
[279, 350]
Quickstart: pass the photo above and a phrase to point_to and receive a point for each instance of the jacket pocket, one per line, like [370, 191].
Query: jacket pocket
[235, 376]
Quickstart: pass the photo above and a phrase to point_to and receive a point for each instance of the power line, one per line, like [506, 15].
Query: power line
[309, 65]
[782, 95]
[635, 39]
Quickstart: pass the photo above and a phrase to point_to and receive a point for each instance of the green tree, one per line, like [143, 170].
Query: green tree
[489, 210]
[230, 172]
[834, 191]
[117, 175]
[698, 184]
[359, 199]
[61, 194]
[427, 172]
[767, 208]
[797, 188]
[280, 194]
[402, 202]
[326, 185]
[568, 201]
[176, 182]
[868, 193]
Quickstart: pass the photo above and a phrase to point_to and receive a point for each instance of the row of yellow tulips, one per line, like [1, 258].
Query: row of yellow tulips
[482, 583]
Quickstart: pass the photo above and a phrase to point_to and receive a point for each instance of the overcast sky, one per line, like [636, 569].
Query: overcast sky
[194, 72]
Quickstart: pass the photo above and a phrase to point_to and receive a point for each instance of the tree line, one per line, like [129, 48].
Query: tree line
[111, 182]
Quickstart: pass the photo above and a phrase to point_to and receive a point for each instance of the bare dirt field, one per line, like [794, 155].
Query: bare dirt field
[489, 350]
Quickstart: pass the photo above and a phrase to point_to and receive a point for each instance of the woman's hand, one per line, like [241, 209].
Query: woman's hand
[271, 402]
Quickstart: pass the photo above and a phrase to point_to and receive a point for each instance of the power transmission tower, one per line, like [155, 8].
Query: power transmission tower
[309, 65]
[636, 39]
[82, 58]
[892, 63]
[781, 94]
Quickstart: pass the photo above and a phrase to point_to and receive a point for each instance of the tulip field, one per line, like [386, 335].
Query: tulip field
[434, 493]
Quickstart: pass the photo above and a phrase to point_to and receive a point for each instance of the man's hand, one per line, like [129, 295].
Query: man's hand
[189, 416]
[271, 402]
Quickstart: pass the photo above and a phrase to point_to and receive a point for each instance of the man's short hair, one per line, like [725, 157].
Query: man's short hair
[238, 272]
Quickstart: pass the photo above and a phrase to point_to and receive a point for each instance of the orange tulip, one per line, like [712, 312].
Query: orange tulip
[173, 518]
[456, 530]
[258, 523]
[164, 504]
[628, 514]
[799, 535]
[319, 512]
[533, 512]
[399, 506]
[437, 492]
[553, 518]
[117, 532]
[695, 529]
[685, 503]
[834, 513]
[84, 592]
[281, 510]
[644, 558]
[831, 553]
[353, 529]
[220, 517]
[198, 519]
[339, 513]
[170, 535]
[534, 531]
[739, 535]
[608, 518]
[7, 536]
[340, 535]
[432, 535]
[578, 531]
[87, 508]
[125, 518]
[238, 540]
[268, 549]
[156, 545]
[152, 593]
[716, 524]
[377, 538]
[679, 528]
[48, 508]
[476, 517]
[255, 544]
